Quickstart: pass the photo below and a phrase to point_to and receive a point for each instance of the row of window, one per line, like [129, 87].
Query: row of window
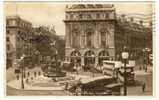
[88, 16]
[13, 22]
[89, 42]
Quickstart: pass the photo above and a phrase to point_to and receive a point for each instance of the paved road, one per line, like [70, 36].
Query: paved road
[13, 92]
[134, 91]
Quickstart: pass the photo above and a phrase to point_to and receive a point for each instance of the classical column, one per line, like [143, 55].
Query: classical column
[92, 37]
[99, 40]
[96, 60]
[85, 40]
[82, 60]
[67, 37]
[107, 39]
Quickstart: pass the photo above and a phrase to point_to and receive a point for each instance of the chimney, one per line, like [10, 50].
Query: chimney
[141, 22]
[150, 24]
[132, 19]
[123, 18]
[66, 6]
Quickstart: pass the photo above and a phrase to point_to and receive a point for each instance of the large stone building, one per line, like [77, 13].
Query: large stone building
[94, 33]
[34, 42]
[18, 31]
[134, 35]
[90, 33]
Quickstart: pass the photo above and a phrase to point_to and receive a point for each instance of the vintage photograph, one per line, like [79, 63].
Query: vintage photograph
[79, 49]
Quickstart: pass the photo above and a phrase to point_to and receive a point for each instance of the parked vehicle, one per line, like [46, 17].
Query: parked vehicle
[93, 86]
[116, 69]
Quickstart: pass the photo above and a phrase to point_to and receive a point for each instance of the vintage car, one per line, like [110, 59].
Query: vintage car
[93, 86]
[113, 89]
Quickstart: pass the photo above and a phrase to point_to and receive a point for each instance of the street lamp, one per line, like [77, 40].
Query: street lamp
[22, 73]
[146, 57]
[125, 56]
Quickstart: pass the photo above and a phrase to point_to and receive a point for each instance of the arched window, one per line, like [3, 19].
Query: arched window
[89, 57]
[80, 16]
[103, 55]
[89, 16]
[97, 15]
[76, 57]
[75, 53]
[89, 53]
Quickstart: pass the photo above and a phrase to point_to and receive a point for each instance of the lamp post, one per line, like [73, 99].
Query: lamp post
[22, 72]
[125, 56]
[146, 57]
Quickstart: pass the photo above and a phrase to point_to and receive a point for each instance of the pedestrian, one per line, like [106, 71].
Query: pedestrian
[143, 87]
[74, 68]
[78, 91]
[27, 81]
[66, 86]
[34, 74]
[39, 73]
[17, 77]
[24, 75]
[140, 68]
[28, 74]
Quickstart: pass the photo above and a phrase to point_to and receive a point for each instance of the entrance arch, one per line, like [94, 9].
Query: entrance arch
[75, 57]
[89, 58]
[103, 55]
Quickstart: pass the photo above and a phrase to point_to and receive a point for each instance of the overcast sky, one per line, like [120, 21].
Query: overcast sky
[54, 14]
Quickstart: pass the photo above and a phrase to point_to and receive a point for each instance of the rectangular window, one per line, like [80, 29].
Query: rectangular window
[89, 43]
[8, 47]
[7, 23]
[103, 39]
[98, 16]
[8, 31]
[12, 23]
[8, 39]
[106, 15]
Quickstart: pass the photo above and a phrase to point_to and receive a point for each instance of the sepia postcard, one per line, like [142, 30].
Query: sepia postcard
[79, 48]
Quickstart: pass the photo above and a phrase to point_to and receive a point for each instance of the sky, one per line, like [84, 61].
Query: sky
[53, 14]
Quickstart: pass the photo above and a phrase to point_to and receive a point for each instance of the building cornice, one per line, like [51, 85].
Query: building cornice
[91, 20]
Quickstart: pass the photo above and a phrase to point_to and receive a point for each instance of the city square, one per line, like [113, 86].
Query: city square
[101, 52]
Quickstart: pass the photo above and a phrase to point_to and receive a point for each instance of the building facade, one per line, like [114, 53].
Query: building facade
[94, 33]
[90, 33]
[134, 35]
[18, 32]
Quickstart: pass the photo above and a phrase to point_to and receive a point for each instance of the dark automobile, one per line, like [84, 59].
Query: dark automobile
[95, 86]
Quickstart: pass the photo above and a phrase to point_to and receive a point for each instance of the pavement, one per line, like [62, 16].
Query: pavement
[15, 85]
[41, 82]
